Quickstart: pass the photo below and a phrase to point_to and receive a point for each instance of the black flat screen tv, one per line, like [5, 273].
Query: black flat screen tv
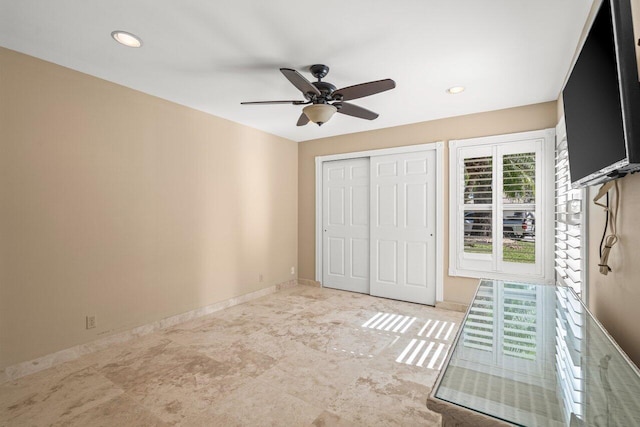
[602, 100]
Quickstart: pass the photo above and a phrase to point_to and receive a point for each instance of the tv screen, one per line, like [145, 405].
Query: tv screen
[592, 107]
[602, 100]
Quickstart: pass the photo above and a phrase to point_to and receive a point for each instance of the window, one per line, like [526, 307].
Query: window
[501, 201]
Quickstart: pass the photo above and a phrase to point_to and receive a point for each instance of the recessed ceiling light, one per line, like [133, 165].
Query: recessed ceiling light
[127, 39]
[455, 89]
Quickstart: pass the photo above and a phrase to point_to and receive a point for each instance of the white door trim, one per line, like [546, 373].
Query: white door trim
[438, 147]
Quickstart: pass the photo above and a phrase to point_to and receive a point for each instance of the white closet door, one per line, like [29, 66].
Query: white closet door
[403, 221]
[345, 220]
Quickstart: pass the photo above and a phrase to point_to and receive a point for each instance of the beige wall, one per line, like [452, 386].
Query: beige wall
[122, 205]
[615, 298]
[532, 117]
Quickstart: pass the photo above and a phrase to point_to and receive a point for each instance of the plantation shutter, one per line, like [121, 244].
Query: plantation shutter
[478, 205]
[500, 206]
[476, 202]
[569, 224]
[519, 207]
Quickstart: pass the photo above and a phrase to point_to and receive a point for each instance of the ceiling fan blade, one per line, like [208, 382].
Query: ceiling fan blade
[302, 120]
[355, 111]
[364, 89]
[299, 81]
[274, 102]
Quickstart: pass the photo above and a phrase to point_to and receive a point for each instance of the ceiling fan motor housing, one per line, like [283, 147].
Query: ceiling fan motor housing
[326, 88]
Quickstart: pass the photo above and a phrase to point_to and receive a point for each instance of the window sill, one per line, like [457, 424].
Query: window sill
[476, 274]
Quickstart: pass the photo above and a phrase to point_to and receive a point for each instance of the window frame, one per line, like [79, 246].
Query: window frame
[463, 265]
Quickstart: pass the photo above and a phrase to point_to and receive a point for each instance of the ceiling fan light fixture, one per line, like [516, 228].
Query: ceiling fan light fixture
[126, 39]
[455, 89]
[319, 113]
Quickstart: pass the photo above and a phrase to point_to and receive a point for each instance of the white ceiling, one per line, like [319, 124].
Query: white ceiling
[211, 55]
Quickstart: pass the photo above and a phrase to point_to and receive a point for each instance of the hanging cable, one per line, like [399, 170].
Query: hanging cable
[606, 223]
[611, 216]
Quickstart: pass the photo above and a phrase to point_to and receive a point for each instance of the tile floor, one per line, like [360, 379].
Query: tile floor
[303, 356]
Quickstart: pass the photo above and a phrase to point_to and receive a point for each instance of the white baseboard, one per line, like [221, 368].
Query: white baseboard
[453, 306]
[309, 282]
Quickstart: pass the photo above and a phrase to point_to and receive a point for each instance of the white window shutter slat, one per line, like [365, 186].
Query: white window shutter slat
[568, 227]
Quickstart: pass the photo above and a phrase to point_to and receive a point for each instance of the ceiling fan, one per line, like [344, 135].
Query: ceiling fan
[322, 99]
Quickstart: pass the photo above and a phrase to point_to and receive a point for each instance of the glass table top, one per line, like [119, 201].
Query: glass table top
[533, 355]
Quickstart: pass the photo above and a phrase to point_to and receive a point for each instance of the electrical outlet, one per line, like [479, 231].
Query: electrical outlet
[91, 322]
[293, 270]
[260, 278]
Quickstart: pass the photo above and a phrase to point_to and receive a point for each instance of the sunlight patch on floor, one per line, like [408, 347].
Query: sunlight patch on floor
[387, 321]
[429, 351]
